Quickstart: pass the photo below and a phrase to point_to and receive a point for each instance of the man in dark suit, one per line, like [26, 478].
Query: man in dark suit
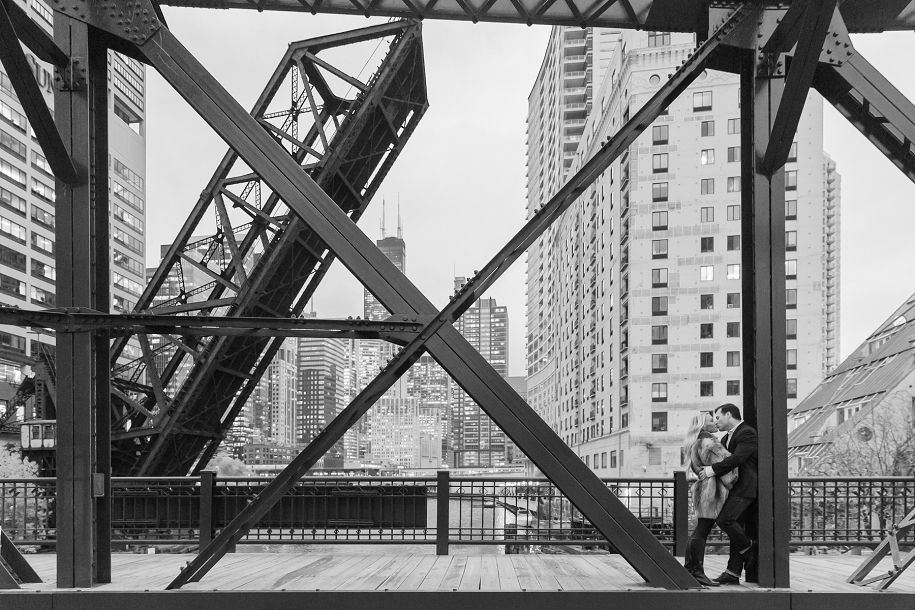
[741, 441]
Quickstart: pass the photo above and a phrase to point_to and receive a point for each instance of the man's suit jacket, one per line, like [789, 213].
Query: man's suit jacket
[742, 446]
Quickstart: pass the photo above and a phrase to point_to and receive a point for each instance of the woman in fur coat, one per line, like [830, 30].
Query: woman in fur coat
[709, 495]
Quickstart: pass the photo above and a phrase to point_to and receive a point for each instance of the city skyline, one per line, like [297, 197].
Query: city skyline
[460, 136]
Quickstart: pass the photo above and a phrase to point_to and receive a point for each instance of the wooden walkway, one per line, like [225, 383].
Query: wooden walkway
[406, 572]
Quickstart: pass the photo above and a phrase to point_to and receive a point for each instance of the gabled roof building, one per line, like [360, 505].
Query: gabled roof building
[870, 395]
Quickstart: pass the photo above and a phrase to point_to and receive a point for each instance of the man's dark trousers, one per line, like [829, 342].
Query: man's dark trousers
[731, 520]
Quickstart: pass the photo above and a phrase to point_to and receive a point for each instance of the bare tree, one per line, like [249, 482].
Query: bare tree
[878, 441]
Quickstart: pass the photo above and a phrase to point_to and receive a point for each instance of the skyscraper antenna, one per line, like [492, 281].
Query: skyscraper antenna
[382, 217]
[399, 223]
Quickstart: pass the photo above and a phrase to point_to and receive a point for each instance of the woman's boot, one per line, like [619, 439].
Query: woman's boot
[695, 559]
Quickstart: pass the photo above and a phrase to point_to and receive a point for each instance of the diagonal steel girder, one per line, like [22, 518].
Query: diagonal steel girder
[16, 26]
[461, 360]
[811, 31]
[874, 106]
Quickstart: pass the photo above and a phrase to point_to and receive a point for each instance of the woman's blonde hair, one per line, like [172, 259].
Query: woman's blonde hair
[696, 424]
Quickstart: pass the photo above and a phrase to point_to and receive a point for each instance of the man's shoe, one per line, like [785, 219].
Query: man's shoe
[704, 580]
[727, 578]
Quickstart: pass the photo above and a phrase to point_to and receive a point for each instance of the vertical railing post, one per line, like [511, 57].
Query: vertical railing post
[442, 512]
[207, 487]
[681, 513]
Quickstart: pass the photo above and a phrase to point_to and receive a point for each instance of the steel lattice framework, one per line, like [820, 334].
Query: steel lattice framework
[780, 51]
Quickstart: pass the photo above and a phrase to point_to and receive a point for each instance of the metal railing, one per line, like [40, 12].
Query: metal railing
[513, 512]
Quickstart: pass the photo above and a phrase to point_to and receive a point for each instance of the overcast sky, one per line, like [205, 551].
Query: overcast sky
[461, 178]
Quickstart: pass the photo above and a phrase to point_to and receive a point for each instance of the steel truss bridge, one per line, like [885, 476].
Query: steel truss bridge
[303, 188]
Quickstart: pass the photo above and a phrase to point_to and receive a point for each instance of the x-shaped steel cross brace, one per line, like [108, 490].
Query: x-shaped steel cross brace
[465, 365]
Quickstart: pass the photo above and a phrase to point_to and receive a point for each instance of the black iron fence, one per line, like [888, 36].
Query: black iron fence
[443, 511]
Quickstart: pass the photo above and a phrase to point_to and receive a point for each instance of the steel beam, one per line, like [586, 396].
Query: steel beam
[142, 323]
[874, 106]
[81, 111]
[763, 306]
[657, 15]
[464, 364]
[811, 36]
[26, 87]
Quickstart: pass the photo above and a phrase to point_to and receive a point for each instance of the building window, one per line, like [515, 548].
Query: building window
[791, 359]
[706, 359]
[13, 146]
[603, 459]
[708, 128]
[42, 217]
[791, 209]
[733, 387]
[733, 358]
[707, 214]
[658, 39]
[733, 126]
[658, 278]
[659, 248]
[792, 388]
[702, 101]
[707, 186]
[707, 156]
[791, 298]
[659, 163]
[707, 331]
[733, 212]
[659, 421]
[659, 222]
[733, 329]
[733, 242]
[659, 306]
[707, 244]
[733, 272]
[659, 363]
[706, 388]
[791, 180]
[790, 241]
[659, 191]
[659, 335]
[12, 230]
[624, 421]
[42, 244]
[792, 154]
[791, 329]
[13, 258]
[707, 273]
[658, 393]
[41, 270]
[42, 297]
[613, 459]
[733, 300]
[660, 134]
[734, 184]
[733, 154]
[707, 301]
[791, 270]
[12, 286]
[12, 202]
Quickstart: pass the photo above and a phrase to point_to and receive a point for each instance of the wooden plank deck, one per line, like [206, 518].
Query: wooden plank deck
[415, 572]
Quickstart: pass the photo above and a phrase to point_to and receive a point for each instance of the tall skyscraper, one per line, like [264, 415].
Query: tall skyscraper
[634, 295]
[478, 441]
[27, 238]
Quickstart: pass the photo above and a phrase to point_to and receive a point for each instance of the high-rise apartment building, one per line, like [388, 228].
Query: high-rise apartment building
[634, 295]
[478, 441]
[321, 393]
[27, 227]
